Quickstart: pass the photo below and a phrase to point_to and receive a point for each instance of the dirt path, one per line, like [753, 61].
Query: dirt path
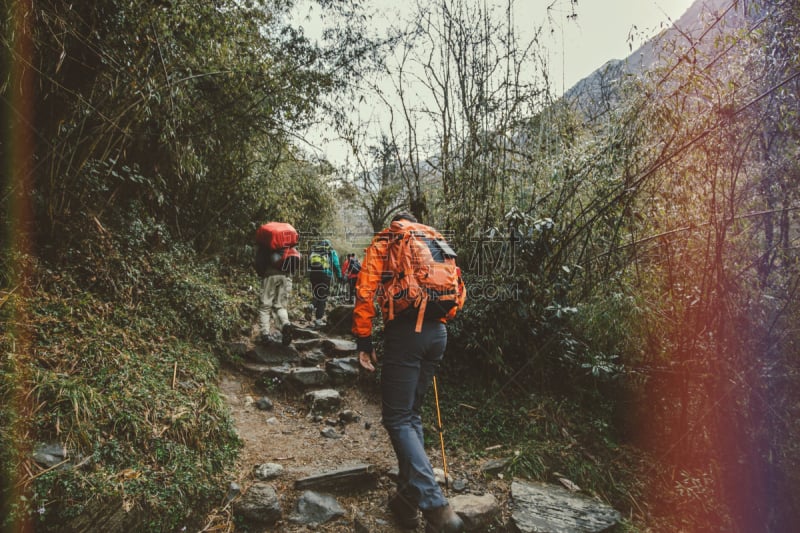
[288, 436]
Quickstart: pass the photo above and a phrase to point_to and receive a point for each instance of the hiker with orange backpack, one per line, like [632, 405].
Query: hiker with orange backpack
[277, 258]
[411, 270]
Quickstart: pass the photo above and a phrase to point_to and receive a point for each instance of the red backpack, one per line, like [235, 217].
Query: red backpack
[278, 241]
[424, 275]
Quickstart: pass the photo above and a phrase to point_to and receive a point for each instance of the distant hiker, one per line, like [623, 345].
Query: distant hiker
[350, 270]
[323, 266]
[411, 270]
[277, 258]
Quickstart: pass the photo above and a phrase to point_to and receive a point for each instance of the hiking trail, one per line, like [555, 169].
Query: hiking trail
[315, 456]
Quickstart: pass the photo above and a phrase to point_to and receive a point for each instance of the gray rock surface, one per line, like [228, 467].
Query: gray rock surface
[316, 508]
[478, 512]
[546, 508]
[323, 400]
[260, 504]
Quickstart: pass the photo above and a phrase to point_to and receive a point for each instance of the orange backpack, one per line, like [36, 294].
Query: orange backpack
[421, 271]
[277, 245]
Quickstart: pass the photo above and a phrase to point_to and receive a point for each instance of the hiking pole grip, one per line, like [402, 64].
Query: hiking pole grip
[441, 431]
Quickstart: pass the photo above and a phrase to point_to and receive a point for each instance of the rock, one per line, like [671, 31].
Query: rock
[306, 377]
[305, 334]
[313, 358]
[265, 404]
[316, 508]
[323, 400]
[542, 508]
[338, 347]
[343, 370]
[305, 345]
[477, 512]
[495, 466]
[238, 349]
[569, 484]
[233, 491]
[348, 416]
[273, 354]
[459, 485]
[267, 471]
[260, 504]
[438, 474]
[345, 479]
[253, 369]
[330, 433]
[49, 455]
[272, 376]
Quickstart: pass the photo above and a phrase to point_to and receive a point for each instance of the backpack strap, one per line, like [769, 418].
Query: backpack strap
[421, 313]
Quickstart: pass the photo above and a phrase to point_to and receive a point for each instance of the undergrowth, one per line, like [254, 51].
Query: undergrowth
[547, 438]
[125, 381]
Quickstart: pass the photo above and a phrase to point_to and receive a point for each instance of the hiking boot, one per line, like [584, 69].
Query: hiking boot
[404, 511]
[320, 323]
[269, 339]
[442, 520]
[287, 332]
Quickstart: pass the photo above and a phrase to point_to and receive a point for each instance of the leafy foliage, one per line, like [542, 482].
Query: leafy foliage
[120, 387]
[182, 111]
[638, 266]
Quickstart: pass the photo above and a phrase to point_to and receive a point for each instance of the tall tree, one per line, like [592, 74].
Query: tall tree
[166, 106]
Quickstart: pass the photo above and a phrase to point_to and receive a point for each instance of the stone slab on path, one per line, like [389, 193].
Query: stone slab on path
[338, 347]
[273, 354]
[546, 508]
[356, 477]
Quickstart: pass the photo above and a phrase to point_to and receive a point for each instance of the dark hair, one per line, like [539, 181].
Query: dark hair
[404, 216]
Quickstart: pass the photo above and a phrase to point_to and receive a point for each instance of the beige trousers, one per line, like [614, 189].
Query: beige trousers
[275, 292]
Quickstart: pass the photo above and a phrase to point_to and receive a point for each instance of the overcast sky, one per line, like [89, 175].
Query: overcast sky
[576, 46]
[601, 31]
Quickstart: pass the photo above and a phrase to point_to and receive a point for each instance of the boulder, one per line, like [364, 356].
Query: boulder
[316, 508]
[304, 345]
[477, 512]
[338, 347]
[323, 400]
[544, 508]
[313, 358]
[495, 466]
[343, 370]
[259, 505]
[267, 471]
[305, 377]
[273, 354]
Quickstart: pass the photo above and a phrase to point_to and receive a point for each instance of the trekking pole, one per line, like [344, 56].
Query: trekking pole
[441, 430]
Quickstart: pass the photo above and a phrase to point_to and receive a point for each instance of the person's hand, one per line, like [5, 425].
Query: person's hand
[367, 360]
